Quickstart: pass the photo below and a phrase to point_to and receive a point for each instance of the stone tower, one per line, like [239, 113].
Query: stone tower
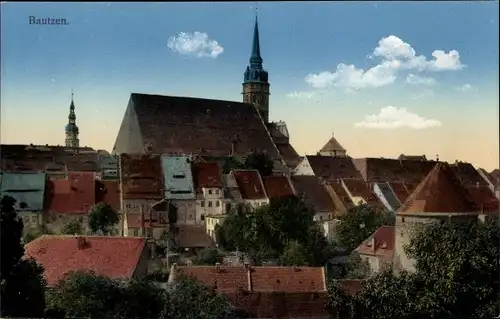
[71, 129]
[255, 83]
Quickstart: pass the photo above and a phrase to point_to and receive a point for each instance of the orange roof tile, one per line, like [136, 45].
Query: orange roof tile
[288, 279]
[108, 192]
[151, 220]
[250, 184]
[381, 243]
[280, 305]
[278, 186]
[114, 257]
[225, 278]
[75, 195]
[439, 192]
[206, 175]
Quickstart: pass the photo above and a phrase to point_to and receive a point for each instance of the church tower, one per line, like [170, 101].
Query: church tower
[71, 128]
[255, 83]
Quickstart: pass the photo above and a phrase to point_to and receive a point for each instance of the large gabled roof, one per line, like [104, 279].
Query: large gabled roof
[169, 124]
[440, 192]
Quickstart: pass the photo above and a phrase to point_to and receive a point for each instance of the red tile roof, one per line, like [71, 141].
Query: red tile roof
[393, 170]
[115, 257]
[332, 168]
[288, 279]
[223, 278]
[250, 184]
[484, 198]
[141, 176]
[278, 186]
[299, 305]
[206, 175]
[75, 195]
[440, 192]
[314, 193]
[359, 188]
[108, 192]
[400, 191]
[381, 243]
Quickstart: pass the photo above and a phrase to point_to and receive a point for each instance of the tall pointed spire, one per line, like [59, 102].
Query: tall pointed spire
[71, 129]
[255, 58]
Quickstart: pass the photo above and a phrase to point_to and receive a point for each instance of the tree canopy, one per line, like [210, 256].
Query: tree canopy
[284, 228]
[103, 219]
[74, 227]
[87, 295]
[359, 223]
[22, 281]
[456, 276]
[261, 162]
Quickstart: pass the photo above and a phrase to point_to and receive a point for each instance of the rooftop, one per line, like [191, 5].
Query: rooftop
[114, 257]
[278, 186]
[250, 184]
[381, 243]
[74, 195]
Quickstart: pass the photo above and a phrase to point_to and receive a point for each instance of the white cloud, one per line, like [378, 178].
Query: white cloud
[467, 87]
[391, 117]
[196, 44]
[300, 95]
[396, 55]
[423, 94]
[419, 80]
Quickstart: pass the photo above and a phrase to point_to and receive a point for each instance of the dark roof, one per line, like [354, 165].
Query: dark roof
[360, 188]
[440, 192]
[467, 174]
[484, 198]
[314, 193]
[141, 176]
[286, 150]
[168, 124]
[332, 145]
[412, 157]
[400, 191]
[191, 236]
[332, 167]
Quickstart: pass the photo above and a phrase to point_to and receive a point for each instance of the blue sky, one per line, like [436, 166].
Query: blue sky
[446, 105]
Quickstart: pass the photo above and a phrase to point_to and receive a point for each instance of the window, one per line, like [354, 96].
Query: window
[217, 203]
[34, 220]
[26, 219]
[128, 206]
[179, 176]
[135, 232]
[202, 203]
[150, 232]
[216, 192]
[209, 204]
[228, 207]
[202, 217]
[210, 191]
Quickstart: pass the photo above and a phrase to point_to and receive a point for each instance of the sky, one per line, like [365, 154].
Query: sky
[386, 78]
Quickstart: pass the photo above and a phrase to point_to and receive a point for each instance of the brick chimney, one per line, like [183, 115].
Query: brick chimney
[81, 243]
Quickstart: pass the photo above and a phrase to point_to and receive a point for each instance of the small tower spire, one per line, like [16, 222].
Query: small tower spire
[255, 58]
[71, 129]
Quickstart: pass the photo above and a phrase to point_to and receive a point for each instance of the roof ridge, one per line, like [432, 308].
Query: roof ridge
[427, 197]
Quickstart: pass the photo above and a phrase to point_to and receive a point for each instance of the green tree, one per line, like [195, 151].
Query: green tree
[295, 254]
[103, 219]
[74, 227]
[191, 299]
[261, 162]
[456, 276]
[22, 281]
[359, 223]
[209, 256]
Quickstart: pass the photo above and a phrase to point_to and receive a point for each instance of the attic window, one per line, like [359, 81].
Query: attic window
[179, 176]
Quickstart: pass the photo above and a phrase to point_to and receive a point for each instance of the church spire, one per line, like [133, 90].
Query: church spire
[255, 58]
[71, 129]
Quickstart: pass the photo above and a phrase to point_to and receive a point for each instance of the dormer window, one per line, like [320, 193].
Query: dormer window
[210, 191]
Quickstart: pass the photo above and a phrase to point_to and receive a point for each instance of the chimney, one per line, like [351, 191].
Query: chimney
[81, 243]
[217, 267]
[247, 266]
[142, 220]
